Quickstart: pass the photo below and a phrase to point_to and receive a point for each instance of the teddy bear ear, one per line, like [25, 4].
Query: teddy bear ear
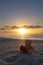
[28, 41]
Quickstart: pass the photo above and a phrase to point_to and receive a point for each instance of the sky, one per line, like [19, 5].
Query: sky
[21, 12]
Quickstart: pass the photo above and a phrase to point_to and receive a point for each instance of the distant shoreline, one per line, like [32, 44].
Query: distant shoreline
[12, 39]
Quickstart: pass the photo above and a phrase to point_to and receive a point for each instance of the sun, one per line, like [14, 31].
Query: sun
[22, 31]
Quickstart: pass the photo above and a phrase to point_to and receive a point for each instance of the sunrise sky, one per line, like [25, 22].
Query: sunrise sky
[21, 12]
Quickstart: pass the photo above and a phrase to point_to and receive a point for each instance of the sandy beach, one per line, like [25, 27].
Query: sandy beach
[9, 50]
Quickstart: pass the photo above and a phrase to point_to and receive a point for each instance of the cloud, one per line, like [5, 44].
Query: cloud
[33, 26]
[5, 28]
[15, 27]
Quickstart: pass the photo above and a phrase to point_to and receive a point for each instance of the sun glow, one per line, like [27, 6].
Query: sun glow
[22, 31]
